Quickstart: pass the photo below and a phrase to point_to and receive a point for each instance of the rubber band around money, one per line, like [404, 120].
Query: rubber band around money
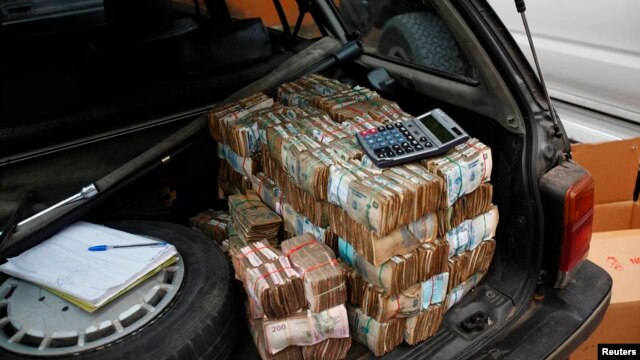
[253, 251]
[255, 282]
[296, 248]
[315, 267]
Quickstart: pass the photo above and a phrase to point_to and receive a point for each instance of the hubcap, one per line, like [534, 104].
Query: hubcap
[35, 322]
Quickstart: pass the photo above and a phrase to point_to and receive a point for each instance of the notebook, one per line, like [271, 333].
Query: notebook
[90, 279]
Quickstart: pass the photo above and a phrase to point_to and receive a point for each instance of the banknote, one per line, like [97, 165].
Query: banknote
[424, 324]
[379, 338]
[306, 328]
[276, 288]
[456, 294]
[324, 283]
[400, 272]
[470, 233]
[464, 168]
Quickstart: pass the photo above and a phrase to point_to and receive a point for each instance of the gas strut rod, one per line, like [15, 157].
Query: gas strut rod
[521, 9]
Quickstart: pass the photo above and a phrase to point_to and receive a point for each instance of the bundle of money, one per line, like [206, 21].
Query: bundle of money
[379, 111]
[324, 285]
[296, 224]
[306, 328]
[220, 117]
[379, 337]
[333, 103]
[233, 241]
[252, 219]
[212, 223]
[458, 268]
[251, 256]
[355, 286]
[378, 250]
[424, 324]
[466, 207]
[400, 272]
[384, 201]
[328, 349]
[268, 191]
[456, 294]
[470, 233]
[275, 288]
[382, 306]
[242, 136]
[246, 166]
[388, 112]
[467, 263]
[275, 191]
[302, 91]
[482, 256]
[231, 182]
[257, 333]
[463, 168]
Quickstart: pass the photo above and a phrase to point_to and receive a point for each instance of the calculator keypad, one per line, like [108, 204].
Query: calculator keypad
[395, 139]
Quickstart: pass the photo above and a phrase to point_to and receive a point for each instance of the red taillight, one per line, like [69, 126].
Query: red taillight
[578, 222]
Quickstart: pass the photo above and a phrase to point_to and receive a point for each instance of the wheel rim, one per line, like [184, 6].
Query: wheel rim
[35, 322]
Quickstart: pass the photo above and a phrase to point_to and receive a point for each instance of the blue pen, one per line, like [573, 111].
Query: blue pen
[107, 247]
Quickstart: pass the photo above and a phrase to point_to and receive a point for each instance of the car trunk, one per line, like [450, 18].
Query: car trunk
[55, 158]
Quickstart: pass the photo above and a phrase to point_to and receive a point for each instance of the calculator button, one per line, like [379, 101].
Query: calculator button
[410, 125]
[405, 133]
[395, 147]
[428, 144]
[370, 142]
[381, 155]
[382, 128]
[364, 133]
[405, 145]
[386, 149]
[383, 144]
[398, 136]
[414, 143]
[400, 152]
[409, 137]
[402, 128]
[390, 153]
[389, 127]
[392, 142]
[423, 139]
[416, 133]
[419, 147]
[398, 124]
[408, 150]
[372, 131]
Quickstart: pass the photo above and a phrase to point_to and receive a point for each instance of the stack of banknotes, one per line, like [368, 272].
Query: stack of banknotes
[295, 298]
[410, 239]
[324, 284]
[234, 129]
[212, 223]
[252, 219]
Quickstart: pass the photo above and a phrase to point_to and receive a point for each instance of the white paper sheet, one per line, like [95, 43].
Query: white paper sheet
[64, 263]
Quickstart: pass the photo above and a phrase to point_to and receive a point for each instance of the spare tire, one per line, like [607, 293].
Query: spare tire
[422, 38]
[201, 323]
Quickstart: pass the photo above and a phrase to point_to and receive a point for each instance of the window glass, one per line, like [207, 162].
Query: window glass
[406, 31]
[266, 10]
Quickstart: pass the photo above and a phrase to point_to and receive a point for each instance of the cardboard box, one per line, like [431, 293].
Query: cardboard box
[614, 167]
[615, 245]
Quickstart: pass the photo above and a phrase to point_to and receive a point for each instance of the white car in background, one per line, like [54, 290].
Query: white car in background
[589, 52]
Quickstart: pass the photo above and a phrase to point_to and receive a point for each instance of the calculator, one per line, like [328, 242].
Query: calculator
[425, 136]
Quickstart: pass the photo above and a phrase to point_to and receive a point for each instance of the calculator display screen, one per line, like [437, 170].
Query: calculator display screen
[437, 129]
